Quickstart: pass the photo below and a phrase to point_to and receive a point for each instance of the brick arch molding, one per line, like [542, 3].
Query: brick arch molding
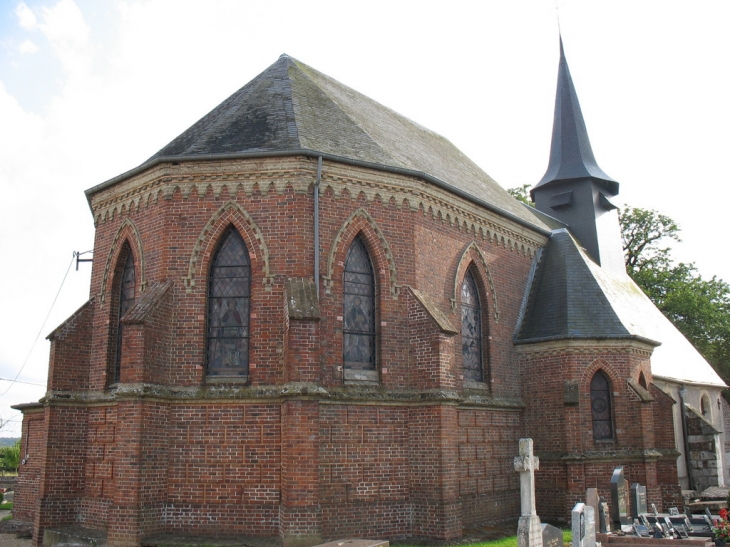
[229, 213]
[361, 216]
[127, 232]
[473, 253]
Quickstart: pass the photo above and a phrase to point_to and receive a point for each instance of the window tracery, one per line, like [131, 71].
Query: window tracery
[229, 301]
[125, 297]
[471, 329]
[601, 407]
[359, 346]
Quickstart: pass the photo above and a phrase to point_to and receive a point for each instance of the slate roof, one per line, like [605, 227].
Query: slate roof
[571, 155]
[572, 297]
[292, 108]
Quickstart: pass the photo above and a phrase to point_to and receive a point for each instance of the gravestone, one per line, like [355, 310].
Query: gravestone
[604, 518]
[551, 536]
[583, 526]
[638, 500]
[592, 499]
[529, 532]
[619, 499]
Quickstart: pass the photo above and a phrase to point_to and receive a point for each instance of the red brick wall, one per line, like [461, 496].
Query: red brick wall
[29, 472]
[415, 455]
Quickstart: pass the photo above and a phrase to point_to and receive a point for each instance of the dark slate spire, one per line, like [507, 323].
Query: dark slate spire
[571, 156]
[574, 189]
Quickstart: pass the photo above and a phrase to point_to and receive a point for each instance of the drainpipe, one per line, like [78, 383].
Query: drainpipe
[316, 224]
[685, 438]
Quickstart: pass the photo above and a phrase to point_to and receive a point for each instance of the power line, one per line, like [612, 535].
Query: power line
[14, 380]
[21, 382]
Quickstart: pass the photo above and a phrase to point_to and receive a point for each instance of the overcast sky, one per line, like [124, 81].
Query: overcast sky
[92, 88]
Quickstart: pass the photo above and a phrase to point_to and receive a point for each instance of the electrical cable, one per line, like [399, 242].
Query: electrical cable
[14, 380]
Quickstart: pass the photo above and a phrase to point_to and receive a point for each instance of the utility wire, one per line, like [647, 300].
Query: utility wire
[14, 380]
[21, 382]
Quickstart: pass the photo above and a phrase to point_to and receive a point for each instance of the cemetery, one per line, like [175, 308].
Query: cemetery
[628, 519]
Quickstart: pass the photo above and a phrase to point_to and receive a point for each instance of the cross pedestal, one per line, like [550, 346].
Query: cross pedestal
[529, 531]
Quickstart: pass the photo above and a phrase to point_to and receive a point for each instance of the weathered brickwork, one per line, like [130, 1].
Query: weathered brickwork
[562, 427]
[297, 448]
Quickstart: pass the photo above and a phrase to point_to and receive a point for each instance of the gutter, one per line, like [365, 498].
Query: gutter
[316, 224]
[314, 154]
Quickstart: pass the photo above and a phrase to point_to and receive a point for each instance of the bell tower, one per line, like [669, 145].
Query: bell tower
[574, 189]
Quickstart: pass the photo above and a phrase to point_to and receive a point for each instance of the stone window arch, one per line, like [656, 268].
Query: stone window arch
[472, 328]
[123, 296]
[229, 305]
[359, 348]
[601, 407]
[705, 407]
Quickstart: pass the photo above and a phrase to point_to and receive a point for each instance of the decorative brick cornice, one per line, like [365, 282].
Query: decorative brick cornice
[585, 346]
[244, 177]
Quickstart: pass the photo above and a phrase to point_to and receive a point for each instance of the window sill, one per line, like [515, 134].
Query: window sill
[226, 379]
[360, 377]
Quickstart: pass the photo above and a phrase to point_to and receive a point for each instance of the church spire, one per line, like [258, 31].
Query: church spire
[574, 189]
[571, 156]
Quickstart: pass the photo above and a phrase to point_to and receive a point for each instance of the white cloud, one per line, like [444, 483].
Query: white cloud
[64, 25]
[28, 47]
[26, 17]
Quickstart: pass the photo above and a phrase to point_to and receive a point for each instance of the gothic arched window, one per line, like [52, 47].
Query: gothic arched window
[124, 300]
[471, 329]
[359, 309]
[601, 407]
[229, 302]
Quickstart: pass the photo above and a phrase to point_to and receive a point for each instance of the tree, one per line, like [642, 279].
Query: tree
[11, 457]
[642, 232]
[698, 307]
[522, 193]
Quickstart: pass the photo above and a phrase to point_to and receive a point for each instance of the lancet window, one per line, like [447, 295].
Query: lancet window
[229, 302]
[601, 407]
[125, 300]
[359, 347]
[471, 329]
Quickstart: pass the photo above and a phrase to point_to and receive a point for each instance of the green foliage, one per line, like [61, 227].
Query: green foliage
[643, 232]
[698, 307]
[10, 457]
[522, 193]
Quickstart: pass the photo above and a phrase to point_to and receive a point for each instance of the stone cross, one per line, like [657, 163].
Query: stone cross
[529, 531]
[526, 464]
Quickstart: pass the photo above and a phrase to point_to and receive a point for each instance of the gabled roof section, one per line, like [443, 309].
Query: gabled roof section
[571, 297]
[290, 108]
[566, 300]
[571, 155]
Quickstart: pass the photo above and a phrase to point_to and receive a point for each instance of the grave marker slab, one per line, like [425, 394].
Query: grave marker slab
[551, 536]
[638, 500]
[604, 518]
[619, 499]
[592, 499]
[583, 526]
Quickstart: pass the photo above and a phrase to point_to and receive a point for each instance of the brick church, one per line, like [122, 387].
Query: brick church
[312, 318]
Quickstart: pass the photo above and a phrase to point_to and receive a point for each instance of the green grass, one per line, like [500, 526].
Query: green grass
[6, 506]
[510, 541]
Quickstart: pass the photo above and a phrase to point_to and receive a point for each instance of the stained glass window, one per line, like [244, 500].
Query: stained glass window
[359, 309]
[126, 301]
[601, 407]
[229, 300]
[471, 329]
